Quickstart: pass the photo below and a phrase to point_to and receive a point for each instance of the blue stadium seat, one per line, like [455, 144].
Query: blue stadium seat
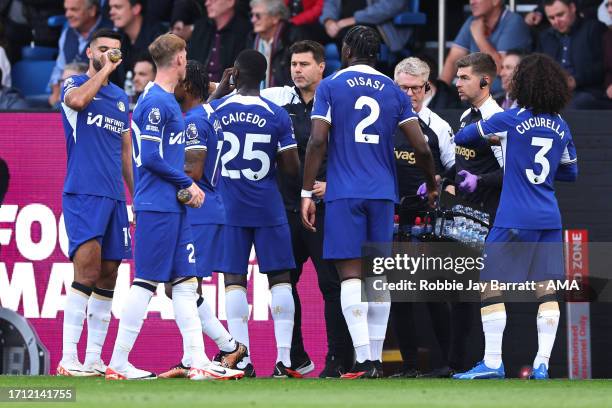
[332, 59]
[38, 53]
[56, 21]
[32, 78]
[412, 17]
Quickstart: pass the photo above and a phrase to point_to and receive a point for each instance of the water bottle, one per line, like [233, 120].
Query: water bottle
[128, 87]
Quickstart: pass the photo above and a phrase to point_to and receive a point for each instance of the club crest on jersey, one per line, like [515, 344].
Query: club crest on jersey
[121, 106]
[154, 116]
[192, 131]
[68, 83]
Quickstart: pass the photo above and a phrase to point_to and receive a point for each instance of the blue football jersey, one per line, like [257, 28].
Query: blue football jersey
[534, 147]
[364, 108]
[255, 131]
[158, 141]
[203, 132]
[93, 141]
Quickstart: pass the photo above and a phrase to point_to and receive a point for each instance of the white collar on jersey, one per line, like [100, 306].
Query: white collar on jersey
[489, 108]
[362, 68]
[246, 100]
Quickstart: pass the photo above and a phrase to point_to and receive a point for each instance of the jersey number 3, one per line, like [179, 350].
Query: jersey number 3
[540, 158]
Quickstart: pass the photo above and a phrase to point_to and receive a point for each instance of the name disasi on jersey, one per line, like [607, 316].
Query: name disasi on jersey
[361, 81]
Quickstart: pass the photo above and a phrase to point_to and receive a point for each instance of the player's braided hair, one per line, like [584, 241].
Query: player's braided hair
[539, 83]
[363, 41]
[196, 80]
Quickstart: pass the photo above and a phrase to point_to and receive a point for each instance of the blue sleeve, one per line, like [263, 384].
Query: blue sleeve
[321, 108]
[406, 112]
[515, 35]
[286, 139]
[380, 11]
[153, 162]
[497, 125]
[71, 83]
[196, 134]
[568, 166]
[331, 10]
[464, 37]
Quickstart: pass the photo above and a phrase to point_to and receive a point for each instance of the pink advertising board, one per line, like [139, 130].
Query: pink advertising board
[35, 270]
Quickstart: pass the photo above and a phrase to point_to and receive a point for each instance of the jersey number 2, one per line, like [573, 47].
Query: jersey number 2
[371, 103]
[540, 158]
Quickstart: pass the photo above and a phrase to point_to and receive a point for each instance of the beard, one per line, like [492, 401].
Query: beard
[97, 64]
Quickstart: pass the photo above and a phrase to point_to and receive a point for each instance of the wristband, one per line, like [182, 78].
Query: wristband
[306, 194]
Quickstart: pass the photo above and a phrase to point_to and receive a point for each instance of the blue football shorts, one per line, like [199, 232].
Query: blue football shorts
[208, 240]
[351, 222]
[164, 247]
[104, 219]
[521, 255]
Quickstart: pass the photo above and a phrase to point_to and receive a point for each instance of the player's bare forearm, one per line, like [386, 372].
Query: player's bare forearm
[449, 70]
[126, 161]
[80, 97]
[289, 162]
[194, 163]
[485, 46]
[315, 152]
[424, 159]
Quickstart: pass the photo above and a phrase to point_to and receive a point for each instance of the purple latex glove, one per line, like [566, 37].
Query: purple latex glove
[422, 190]
[469, 183]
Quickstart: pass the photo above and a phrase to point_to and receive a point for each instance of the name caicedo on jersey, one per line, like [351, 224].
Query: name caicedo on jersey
[104, 122]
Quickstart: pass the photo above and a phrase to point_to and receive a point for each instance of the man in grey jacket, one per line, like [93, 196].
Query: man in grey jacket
[339, 16]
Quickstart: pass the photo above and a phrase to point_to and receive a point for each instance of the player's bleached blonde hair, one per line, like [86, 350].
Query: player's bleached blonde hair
[165, 47]
[412, 66]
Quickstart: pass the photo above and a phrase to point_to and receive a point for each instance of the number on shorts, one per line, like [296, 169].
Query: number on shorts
[191, 250]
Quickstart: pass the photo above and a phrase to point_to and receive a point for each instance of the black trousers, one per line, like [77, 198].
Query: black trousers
[306, 245]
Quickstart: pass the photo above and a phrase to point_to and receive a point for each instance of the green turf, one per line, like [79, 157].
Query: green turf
[323, 393]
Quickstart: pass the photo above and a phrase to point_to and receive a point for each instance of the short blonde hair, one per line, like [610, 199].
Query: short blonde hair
[412, 66]
[165, 47]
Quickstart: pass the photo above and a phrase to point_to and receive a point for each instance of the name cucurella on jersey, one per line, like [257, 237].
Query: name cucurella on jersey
[535, 121]
[362, 81]
[253, 118]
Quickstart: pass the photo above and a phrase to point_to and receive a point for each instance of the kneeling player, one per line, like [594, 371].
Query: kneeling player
[202, 152]
[257, 134]
[538, 148]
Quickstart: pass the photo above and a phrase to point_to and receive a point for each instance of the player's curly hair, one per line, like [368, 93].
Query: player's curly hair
[363, 41]
[196, 80]
[540, 84]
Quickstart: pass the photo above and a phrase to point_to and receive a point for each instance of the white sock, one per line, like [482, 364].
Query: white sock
[356, 315]
[493, 325]
[237, 312]
[282, 307]
[378, 316]
[132, 317]
[548, 321]
[74, 316]
[98, 318]
[184, 296]
[379, 306]
[213, 328]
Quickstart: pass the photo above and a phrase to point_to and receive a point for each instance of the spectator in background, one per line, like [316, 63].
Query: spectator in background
[84, 18]
[136, 33]
[536, 18]
[74, 68]
[144, 72]
[509, 64]
[304, 17]
[272, 30]
[339, 16]
[5, 64]
[10, 98]
[218, 38]
[576, 44]
[184, 15]
[491, 29]
[608, 54]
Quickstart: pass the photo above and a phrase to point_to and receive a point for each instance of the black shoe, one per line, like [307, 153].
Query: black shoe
[406, 373]
[304, 366]
[442, 372]
[280, 371]
[379, 367]
[249, 371]
[230, 359]
[367, 369]
[333, 369]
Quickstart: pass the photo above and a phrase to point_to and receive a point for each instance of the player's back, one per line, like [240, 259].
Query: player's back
[255, 131]
[94, 141]
[203, 132]
[157, 118]
[534, 148]
[364, 108]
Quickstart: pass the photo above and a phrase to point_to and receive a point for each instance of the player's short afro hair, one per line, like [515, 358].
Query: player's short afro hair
[252, 66]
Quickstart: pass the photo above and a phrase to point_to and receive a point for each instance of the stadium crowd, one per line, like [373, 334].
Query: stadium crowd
[574, 33]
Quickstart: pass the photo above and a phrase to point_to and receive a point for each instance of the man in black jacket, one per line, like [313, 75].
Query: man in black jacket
[576, 44]
[218, 39]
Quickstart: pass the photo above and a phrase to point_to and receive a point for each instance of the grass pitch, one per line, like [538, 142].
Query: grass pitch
[96, 392]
